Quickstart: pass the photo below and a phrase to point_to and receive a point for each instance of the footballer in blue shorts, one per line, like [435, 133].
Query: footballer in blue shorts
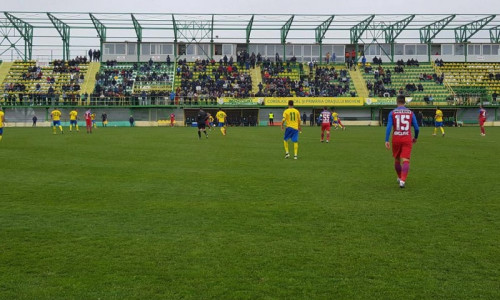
[291, 119]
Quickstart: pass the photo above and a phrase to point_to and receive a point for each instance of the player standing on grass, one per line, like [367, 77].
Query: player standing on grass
[89, 120]
[56, 120]
[438, 121]
[291, 119]
[221, 117]
[2, 120]
[92, 117]
[400, 121]
[325, 118]
[482, 119]
[172, 119]
[104, 117]
[201, 118]
[73, 116]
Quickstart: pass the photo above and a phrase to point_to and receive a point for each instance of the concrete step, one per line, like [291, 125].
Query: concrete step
[4, 71]
[359, 83]
[89, 81]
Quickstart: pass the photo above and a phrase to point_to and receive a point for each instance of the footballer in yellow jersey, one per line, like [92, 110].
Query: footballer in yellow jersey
[210, 121]
[2, 120]
[221, 118]
[336, 120]
[438, 121]
[56, 120]
[291, 120]
[92, 117]
[73, 116]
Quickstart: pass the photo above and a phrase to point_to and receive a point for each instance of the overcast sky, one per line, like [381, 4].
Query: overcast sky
[259, 6]
[43, 48]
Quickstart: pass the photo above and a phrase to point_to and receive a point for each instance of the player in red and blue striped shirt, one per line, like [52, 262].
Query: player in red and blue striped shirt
[325, 118]
[400, 121]
[482, 119]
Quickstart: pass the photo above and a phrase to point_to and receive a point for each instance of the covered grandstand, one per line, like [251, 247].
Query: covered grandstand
[171, 62]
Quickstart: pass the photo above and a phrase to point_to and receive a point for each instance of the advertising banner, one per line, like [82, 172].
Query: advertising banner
[315, 101]
[240, 101]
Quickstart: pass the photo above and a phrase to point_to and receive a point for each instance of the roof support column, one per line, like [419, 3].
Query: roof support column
[320, 34]
[101, 31]
[284, 33]
[138, 32]
[64, 32]
[26, 31]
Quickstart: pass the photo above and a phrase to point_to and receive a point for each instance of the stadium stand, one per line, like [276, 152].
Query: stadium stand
[417, 80]
[330, 81]
[29, 84]
[472, 77]
[280, 80]
[133, 83]
[203, 81]
[290, 79]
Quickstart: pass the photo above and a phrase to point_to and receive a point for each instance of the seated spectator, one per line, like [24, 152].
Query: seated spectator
[420, 87]
[426, 99]
[439, 62]
[369, 85]
[377, 61]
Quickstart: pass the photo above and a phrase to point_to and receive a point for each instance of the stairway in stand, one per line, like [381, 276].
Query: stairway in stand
[256, 78]
[89, 81]
[4, 70]
[359, 83]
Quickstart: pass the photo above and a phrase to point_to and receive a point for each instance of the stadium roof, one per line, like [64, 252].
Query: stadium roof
[59, 31]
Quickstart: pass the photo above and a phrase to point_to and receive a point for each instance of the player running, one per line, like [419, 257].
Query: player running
[291, 119]
[400, 121]
[325, 118]
[207, 121]
[2, 121]
[482, 119]
[438, 121]
[210, 121]
[336, 120]
[221, 117]
[89, 120]
[73, 116]
[201, 118]
[56, 120]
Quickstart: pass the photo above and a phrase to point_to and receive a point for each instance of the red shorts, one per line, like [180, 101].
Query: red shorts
[88, 122]
[325, 126]
[481, 122]
[401, 148]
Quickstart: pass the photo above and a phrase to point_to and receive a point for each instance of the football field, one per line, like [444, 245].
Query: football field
[155, 213]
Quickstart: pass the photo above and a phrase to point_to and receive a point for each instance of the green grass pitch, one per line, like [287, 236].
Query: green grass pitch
[155, 213]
